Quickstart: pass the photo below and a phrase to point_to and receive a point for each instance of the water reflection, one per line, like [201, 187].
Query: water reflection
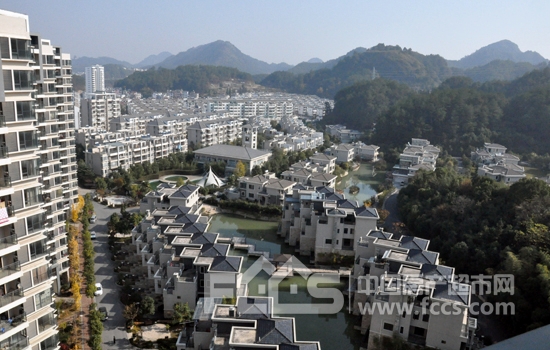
[332, 331]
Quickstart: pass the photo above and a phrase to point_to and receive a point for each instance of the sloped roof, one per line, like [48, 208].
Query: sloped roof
[366, 212]
[274, 331]
[226, 264]
[210, 179]
[184, 191]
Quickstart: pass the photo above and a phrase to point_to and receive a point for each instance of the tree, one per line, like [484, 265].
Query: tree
[147, 306]
[180, 182]
[240, 170]
[130, 312]
[181, 313]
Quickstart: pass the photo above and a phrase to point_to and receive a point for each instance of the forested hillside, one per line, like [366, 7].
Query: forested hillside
[459, 115]
[190, 78]
[480, 226]
[360, 105]
[391, 62]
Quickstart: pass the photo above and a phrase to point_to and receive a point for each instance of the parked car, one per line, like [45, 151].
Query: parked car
[93, 235]
[103, 313]
[98, 289]
[93, 219]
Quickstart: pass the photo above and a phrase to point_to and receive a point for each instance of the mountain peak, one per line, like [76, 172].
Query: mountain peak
[504, 50]
[315, 60]
[222, 53]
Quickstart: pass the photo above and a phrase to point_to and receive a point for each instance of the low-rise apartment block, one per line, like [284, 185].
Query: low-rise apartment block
[400, 272]
[417, 155]
[493, 162]
[214, 132]
[320, 222]
[182, 259]
[248, 324]
[264, 189]
[231, 155]
[344, 134]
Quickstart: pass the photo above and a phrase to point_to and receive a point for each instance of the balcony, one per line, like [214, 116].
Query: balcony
[2, 121]
[16, 342]
[3, 151]
[11, 297]
[6, 242]
[5, 182]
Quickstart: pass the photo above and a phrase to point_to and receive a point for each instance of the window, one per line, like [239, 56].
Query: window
[425, 317]
[328, 241]
[37, 249]
[20, 49]
[250, 187]
[251, 195]
[31, 196]
[29, 168]
[24, 112]
[27, 139]
[416, 315]
[388, 326]
[40, 274]
[34, 223]
[43, 298]
[401, 330]
[22, 79]
[345, 230]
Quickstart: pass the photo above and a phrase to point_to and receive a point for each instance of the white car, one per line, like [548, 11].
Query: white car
[93, 235]
[98, 289]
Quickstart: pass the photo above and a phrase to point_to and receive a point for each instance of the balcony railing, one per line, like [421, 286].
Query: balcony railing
[2, 121]
[5, 182]
[3, 151]
[8, 241]
[14, 343]
[11, 297]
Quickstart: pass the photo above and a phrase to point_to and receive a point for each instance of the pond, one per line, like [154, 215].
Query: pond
[366, 178]
[312, 327]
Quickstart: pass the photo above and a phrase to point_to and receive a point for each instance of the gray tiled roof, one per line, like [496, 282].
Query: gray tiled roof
[226, 263]
[184, 191]
[274, 331]
[229, 151]
[366, 212]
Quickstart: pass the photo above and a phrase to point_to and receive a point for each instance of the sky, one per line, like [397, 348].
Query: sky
[290, 31]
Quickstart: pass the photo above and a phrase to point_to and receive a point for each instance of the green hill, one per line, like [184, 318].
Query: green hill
[390, 62]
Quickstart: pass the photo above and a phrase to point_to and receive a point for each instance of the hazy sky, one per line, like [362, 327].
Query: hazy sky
[288, 31]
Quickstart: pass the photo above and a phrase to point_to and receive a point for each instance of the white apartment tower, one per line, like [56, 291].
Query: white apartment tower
[37, 182]
[250, 136]
[95, 79]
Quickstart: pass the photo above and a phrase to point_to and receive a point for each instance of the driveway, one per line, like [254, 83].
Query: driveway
[104, 274]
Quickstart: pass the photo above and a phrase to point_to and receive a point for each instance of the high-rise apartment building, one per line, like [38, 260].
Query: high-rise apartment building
[37, 182]
[95, 79]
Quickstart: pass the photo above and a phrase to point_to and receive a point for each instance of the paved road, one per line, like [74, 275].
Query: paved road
[104, 274]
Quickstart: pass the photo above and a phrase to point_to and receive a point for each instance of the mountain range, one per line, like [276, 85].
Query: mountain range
[501, 60]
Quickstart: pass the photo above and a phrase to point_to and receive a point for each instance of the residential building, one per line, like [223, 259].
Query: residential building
[344, 134]
[37, 182]
[263, 189]
[95, 79]
[418, 154]
[168, 195]
[502, 172]
[214, 132]
[320, 222]
[400, 270]
[344, 152]
[231, 155]
[493, 162]
[248, 324]
[366, 152]
[250, 136]
[98, 109]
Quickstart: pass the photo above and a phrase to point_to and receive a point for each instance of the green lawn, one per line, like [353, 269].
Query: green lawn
[154, 184]
[176, 178]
